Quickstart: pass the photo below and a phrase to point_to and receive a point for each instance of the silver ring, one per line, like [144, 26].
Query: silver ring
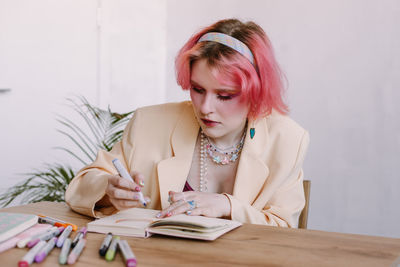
[192, 204]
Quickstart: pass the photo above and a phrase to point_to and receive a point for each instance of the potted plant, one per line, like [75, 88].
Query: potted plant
[105, 128]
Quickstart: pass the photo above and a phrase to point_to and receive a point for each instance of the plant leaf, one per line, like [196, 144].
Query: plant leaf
[50, 183]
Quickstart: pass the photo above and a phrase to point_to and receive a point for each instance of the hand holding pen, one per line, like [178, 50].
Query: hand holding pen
[125, 192]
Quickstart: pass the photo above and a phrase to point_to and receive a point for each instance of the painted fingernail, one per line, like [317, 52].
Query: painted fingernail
[141, 182]
[188, 212]
[158, 215]
[169, 214]
[137, 188]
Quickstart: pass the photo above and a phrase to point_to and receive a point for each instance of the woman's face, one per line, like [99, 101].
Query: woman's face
[220, 109]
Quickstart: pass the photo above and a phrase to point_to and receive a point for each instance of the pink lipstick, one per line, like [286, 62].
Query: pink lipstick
[209, 123]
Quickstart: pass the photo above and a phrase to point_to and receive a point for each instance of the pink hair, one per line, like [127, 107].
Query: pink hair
[261, 85]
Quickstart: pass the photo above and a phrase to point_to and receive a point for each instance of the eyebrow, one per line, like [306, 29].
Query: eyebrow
[218, 89]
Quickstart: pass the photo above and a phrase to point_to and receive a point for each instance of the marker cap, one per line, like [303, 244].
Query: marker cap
[131, 263]
[40, 256]
[73, 256]
[45, 250]
[127, 254]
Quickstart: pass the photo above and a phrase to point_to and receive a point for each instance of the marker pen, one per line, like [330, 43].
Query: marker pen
[57, 222]
[45, 236]
[45, 250]
[22, 243]
[127, 254]
[73, 256]
[65, 234]
[124, 173]
[79, 236]
[111, 250]
[30, 256]
[62, 259]
[106, 243]
[50, 221]
[13, 241]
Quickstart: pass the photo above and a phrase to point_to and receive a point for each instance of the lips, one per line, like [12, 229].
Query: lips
[209, 123]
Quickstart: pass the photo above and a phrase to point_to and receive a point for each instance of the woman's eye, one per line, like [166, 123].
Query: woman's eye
[198, 90]
[224, 97]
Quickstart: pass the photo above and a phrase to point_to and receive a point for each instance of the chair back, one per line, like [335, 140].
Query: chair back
[304, 213]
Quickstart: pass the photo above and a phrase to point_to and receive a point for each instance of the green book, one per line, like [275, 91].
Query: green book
[12, 224]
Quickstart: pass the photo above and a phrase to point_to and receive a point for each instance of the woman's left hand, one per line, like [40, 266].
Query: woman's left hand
[197, 203]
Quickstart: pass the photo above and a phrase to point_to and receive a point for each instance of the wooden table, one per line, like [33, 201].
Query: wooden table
[249, 245]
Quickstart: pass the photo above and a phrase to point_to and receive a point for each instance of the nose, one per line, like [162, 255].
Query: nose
[207, 105]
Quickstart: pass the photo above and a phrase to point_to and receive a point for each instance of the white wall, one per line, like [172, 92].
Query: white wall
[132, 53]
[344, 84]
[50, 50]
[342, 61]
[47, 52]
[341, 58]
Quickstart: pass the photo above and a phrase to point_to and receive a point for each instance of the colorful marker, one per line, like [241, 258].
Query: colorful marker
[62, 259]
[106, 243]
[127, 254]
[73, 256]
[50, 221]
[30, 256]
[111, 250]
[124, 173]
[46, 236]
[56, 222]
[79, 236]
[13, 241]
[45, 250]
[23, 242]
[65, 234]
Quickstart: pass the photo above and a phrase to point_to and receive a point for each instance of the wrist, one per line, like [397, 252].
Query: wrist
[226, 214]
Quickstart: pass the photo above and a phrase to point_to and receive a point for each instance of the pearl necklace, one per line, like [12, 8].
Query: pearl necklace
[203, 165]
[207, 148]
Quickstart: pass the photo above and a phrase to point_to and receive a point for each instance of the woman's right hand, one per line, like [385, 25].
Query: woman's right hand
[123, 193]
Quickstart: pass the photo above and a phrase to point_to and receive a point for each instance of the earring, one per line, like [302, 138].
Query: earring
[252, 131]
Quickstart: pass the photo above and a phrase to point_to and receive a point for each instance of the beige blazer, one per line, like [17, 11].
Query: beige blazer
[159, 142]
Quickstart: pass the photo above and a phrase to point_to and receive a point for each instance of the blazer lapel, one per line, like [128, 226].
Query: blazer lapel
[252, 171]
[251, 174]
[173, 172]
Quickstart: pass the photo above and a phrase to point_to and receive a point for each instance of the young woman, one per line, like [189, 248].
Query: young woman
[230, 152]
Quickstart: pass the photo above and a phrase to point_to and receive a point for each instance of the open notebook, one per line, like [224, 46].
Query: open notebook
[143, 222]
